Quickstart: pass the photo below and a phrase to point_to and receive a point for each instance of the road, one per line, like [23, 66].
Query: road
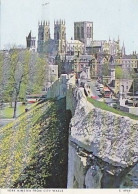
[5, 122]
[93, 89]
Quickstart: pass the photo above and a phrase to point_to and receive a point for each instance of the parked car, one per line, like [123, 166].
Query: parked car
[99, 94]
[131, 102]
[112, 102]
[94, 97]
[100, 86]
[113, 105]
[97, 89]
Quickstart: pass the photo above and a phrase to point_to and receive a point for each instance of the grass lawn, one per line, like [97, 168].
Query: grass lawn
[7, 112]
[104, 106]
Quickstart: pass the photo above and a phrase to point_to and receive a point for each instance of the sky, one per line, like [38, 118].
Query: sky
[111, 18]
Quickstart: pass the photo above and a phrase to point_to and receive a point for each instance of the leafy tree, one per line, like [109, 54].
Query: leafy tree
[21, 72]
[18, 77]
[123, 73]
[39, 77]
[105, 69]
[118, 73]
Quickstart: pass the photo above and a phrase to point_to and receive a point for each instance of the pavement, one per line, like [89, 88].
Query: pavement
[4, 122]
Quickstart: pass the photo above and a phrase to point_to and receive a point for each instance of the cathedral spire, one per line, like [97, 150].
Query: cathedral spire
[123, 49]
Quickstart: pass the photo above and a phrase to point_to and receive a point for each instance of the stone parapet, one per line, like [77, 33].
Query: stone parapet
[111, 138]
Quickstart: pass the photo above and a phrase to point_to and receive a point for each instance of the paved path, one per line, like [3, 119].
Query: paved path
[5, 122]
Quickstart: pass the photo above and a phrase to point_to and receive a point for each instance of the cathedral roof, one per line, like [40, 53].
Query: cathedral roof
[98, 43]
[129, 57]
[126, 57]
[81, 57]
[74, 42]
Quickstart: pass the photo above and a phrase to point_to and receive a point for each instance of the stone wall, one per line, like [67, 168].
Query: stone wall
[51, 75]
[70, 99]
[103, 147]
[59, 88]
[103, 151]
[132, 110]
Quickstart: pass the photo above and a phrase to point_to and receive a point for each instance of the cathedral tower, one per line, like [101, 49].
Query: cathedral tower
[83, 31]
[43, 35]
[46, 31]
[60, 36]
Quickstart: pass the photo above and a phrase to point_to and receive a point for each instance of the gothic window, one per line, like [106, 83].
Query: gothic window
[90, 32]
[57, 35]
[42, 36]
[78, 32]
[62, 35]
[31, 42]
[82, 32]
[87, 32]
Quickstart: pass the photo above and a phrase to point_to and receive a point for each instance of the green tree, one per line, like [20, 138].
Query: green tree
[19, 71]
[124, 73]
[118, 73]
[105, 69]
[40, 74]
[23, 72]
[13, 60]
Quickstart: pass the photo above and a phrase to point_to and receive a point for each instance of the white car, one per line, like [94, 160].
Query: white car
[101, 86]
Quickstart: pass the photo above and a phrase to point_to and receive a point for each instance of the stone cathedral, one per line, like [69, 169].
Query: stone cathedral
[83, 35]
[48, 45]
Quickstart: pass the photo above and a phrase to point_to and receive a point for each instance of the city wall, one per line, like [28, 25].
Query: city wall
[132, 110]
[102, 145]
[102, 148]
[64, 87]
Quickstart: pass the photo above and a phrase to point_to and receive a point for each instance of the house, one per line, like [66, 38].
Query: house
[74, 47]
[122, 86]
[76, 64]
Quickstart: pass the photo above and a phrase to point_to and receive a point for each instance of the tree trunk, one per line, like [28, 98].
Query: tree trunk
[16, 97]
[15, 107]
